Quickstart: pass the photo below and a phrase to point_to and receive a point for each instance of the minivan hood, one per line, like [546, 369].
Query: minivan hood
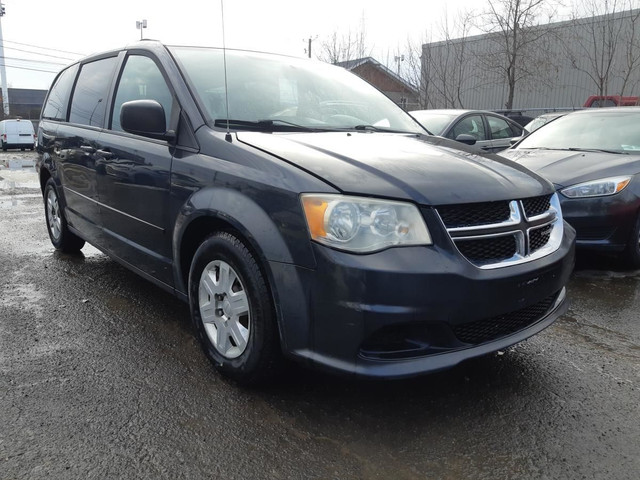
[426, 171]
[565, 168]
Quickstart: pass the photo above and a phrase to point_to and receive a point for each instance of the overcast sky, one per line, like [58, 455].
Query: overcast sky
[74, 28]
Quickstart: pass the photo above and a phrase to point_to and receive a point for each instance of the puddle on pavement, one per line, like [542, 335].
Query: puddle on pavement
[12, 201]
[18, 178]
[26, 296]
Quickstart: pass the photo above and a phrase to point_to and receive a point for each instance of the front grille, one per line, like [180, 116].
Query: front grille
[482, 331]
[456, 216]
[497, 234]
[485, 249]
[536, 205]
[539, 237]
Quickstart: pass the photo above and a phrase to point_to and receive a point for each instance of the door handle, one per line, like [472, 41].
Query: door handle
[106, 154]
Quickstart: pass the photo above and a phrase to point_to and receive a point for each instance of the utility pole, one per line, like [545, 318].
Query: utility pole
[3, 70]
[308, 49]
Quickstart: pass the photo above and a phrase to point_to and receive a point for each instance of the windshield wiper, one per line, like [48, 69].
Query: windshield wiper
[602, 150]
[576, 149]
[262, 125]
[373, 128]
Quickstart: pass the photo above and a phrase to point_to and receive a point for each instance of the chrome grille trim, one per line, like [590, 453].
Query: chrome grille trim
[519, 226]
[514, 219]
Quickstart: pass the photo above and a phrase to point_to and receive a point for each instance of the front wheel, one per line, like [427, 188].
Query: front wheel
[232, 310]
[61, 237]
[632, 251]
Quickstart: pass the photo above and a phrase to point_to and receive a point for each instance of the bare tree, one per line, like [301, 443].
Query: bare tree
[631, 64]
[344, 47]
[518, 52]
[441, 70]
[608, 47]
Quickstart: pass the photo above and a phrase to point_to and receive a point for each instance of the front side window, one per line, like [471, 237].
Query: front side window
[141, 80]
[58, 99]
[471, 125]
[89, 102]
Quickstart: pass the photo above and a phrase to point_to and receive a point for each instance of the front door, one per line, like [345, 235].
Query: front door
[134, 174]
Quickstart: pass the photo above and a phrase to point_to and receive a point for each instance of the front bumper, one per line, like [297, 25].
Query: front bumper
[602, 223]
[407, 311]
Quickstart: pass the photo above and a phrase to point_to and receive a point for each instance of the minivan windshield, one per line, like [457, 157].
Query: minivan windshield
[610, 130]
[271, 92]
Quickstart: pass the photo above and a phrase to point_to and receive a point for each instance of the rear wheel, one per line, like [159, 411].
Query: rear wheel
[631, 253]
[232, 310]
[61, 237]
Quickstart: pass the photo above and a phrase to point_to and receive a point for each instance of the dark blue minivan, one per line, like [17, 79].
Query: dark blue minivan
[299, 212]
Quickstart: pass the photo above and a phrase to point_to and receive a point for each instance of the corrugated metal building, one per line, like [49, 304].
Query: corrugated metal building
[560, 65]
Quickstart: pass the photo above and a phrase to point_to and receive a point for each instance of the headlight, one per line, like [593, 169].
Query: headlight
[597, 188]
[359, 224]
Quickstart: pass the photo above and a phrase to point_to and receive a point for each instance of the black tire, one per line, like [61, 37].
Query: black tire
[244, 347]
[631, 254]
[61, 237]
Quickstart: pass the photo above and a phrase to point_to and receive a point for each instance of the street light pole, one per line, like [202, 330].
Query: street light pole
[3, 71]
[399, 59]
[140, 24]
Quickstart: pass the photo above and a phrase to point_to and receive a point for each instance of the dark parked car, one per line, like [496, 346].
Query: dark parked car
[517, 116]
[299, 212]
[593, 158]
[487, 130]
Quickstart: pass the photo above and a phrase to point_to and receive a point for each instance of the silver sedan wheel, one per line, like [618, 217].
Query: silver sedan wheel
[224, 309]
[53, 214]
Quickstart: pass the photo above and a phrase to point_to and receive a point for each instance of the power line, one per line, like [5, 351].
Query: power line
[41, 54]
[32, 69]
[45, 48]
[33, 60]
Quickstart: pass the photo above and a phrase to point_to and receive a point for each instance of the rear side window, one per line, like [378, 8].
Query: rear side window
[141, 80]
[89, 102]
[58, 99]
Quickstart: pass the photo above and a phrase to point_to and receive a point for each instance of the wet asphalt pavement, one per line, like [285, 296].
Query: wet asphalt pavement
[101, 377]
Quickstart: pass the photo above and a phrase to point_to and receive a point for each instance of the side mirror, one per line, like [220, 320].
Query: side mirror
[466, 139]
[146, 118]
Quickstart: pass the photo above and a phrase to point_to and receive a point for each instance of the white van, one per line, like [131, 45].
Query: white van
[17, 134]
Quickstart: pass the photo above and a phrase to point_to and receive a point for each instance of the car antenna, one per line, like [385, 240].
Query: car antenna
[227, 137]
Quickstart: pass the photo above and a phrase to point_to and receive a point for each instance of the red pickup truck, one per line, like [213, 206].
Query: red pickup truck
[611, 101]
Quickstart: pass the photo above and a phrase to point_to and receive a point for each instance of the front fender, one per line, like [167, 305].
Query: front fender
[278, 234]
